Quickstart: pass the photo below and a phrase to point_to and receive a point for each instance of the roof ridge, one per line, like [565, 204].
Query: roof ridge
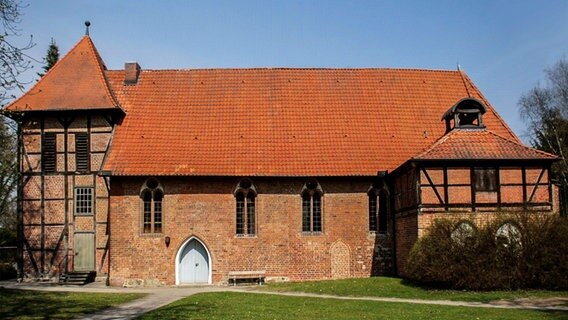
[486, 102]
[57, 89]
[295, 69]
[51, 70]
[485, 131]
[522, 145]
[439, 141]
[101, 67]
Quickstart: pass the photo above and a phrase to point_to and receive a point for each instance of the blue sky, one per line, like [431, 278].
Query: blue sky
[504, 46]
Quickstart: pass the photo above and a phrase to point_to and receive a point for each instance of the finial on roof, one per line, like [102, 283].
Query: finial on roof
[459, 67]
[87, 24]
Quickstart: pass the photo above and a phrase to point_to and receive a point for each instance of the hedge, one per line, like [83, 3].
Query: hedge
[519, 251]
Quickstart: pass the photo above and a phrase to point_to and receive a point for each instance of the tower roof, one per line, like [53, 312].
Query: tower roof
[76, 82]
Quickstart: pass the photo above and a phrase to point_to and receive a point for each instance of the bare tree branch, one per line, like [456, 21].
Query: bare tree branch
[545, 111]
[13, 58]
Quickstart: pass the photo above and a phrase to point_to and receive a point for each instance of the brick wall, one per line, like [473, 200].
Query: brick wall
[406, 236]
[205, 208]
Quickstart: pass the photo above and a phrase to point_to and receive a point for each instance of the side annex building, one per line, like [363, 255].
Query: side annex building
[164, 177]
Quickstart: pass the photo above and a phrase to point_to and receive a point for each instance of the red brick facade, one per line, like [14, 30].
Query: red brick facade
[138, 174]
[204, 208]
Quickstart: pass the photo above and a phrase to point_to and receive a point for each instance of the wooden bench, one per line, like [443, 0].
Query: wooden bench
[245, 275]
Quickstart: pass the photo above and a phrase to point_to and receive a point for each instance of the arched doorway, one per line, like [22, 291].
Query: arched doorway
[193, 265]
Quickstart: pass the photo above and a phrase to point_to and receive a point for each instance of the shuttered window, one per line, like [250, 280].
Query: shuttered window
[486, 179]
[49, 152]
[82, 152]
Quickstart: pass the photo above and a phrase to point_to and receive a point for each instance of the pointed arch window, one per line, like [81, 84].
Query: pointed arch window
[311, 207]
[378, 210]
[509, 235]
[152, 195]
[464, 233]
[245, 195]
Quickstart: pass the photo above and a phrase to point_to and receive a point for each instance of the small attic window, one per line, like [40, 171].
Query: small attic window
[467, 113]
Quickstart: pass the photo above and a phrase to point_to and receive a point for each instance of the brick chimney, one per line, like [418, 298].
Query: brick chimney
[131, 72]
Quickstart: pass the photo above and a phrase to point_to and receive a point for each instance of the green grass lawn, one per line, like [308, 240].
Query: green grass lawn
[27, 304]
[398, 288]
[258, 306]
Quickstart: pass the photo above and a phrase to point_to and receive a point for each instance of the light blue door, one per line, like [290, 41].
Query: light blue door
[194, 263]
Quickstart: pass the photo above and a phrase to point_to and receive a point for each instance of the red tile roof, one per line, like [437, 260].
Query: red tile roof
[260, 122]
[478, 144]
[76, 82]
[282, 122]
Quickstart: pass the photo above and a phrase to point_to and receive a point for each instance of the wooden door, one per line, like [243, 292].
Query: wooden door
[84, 252]
[194, 263]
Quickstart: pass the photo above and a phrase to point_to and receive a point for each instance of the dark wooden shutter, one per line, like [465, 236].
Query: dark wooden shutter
[82, 152]
[49, 152]
[486, 179]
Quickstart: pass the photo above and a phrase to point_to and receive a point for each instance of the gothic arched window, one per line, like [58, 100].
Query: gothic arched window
[245, 195]
[152, 195]
[378, 210]
[312, 207]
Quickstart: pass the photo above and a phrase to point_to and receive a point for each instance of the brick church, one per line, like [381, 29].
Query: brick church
[165, 177]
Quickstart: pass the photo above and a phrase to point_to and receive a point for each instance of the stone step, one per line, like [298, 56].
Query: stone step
[77, 278]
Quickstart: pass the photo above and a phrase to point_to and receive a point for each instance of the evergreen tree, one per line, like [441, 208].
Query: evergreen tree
[51, 58]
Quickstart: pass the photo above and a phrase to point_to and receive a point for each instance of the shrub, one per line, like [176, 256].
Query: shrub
[512, 252]
[7, 271]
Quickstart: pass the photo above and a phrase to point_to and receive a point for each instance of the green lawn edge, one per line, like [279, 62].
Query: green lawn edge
[31, 304]
[240, 305]
[388, 287]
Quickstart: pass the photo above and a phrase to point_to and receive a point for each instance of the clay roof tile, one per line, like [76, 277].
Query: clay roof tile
[283, 121]
[476, 144]
[76, 82]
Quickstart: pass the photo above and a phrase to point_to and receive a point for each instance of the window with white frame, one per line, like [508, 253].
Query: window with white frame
[84, 200]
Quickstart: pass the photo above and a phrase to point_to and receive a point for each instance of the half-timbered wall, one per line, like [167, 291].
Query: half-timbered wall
[50, 218]
[469, 192]
[456, 189]
[404, 191]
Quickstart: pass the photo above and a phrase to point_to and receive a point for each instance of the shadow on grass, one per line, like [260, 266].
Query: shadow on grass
[432, 286]
[55, 305]
[188, 310]
[252, 306]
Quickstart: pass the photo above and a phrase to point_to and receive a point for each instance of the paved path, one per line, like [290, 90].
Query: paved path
[161, 296]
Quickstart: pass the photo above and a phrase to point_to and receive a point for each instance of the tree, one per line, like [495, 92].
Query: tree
[8, 183]
[51, 57]
[545, 111]
[13, 59]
